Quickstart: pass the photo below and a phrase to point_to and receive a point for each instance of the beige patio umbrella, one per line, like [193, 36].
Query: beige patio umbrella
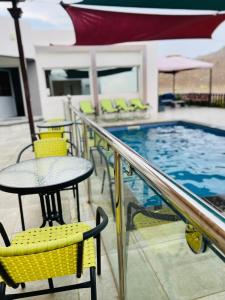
[174, 64]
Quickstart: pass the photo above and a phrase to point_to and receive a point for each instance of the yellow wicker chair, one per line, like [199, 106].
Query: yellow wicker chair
[46, 148]
[46, 253]
[50, 147]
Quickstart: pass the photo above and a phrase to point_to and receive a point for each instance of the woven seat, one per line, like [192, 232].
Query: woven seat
[43, 253]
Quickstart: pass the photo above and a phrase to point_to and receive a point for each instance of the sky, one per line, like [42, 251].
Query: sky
[48, 14]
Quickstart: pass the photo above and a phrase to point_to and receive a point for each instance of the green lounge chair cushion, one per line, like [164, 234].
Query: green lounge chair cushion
[106, 106]
[122, 105]
[86, 107]
[138, 104]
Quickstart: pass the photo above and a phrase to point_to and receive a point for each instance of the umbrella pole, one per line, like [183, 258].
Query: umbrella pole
[210, 86]
[174, 83]
[16, 13]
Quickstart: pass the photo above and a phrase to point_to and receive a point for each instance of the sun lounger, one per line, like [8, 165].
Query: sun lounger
[169, 99]
[137, 104]
[122, 105]
[86, 107]
[107, 107]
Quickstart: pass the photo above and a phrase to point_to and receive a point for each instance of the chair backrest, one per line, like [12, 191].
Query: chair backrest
[50, 147]
[120, 102]
[136, 101]
[41, 253]
[106, 104]
[44, 256]
[50, 134]
[86, 107]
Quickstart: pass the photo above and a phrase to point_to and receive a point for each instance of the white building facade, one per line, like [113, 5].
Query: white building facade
[127, 71]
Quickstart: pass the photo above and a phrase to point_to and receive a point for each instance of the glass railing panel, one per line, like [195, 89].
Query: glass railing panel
[103, 194]
[160, 264]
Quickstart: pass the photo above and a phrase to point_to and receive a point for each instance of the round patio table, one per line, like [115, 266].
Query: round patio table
[46, 177]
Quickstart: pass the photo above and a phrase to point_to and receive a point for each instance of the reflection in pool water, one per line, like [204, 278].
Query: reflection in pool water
[195, 158]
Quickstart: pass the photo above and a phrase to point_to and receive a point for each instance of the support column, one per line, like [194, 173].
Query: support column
[151, 77]
[94, 81]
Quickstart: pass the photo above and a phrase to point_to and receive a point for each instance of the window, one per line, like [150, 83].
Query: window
[118, 80]
[63, 82]
[5, 88]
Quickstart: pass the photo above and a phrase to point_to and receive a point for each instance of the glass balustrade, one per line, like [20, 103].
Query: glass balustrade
[161, 241]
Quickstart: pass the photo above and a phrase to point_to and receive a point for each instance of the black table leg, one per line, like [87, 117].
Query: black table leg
[21, 212]
[49, 211]
[78, 202]
[43, 210]
[60, 216]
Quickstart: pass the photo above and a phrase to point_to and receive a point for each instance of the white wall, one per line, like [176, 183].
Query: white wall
[79, 57]
[8, 43]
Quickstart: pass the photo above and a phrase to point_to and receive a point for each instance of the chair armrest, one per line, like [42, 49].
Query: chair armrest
[100, 214]
[4, 235]
[21, 152]
[72, 144]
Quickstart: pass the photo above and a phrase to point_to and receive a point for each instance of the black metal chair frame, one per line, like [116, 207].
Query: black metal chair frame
[110, 180]
[133, 209]
[95, 232]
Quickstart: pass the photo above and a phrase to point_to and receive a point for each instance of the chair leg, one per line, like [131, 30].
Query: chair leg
[74, 188]
[103, 182]
[93, 284]
[98, 248]
[23, 285]
[50, 283]
[112, 199]
[93, 160]
[2, 290]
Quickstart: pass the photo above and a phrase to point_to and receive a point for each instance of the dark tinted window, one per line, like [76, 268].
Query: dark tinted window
[5, 89]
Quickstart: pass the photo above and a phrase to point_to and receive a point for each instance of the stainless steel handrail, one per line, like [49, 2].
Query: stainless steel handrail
[207, 220]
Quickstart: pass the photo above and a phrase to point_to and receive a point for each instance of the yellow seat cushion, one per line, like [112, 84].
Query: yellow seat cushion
[42, 253]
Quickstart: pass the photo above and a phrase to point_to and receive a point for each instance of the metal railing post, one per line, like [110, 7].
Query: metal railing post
[86, 155]
[71, 118]
[120, 225]
[78, 142]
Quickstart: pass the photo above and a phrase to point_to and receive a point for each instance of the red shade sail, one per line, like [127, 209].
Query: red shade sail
[97, 27]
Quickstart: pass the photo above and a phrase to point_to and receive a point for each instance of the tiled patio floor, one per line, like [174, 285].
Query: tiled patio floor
[12, 140]
[147, 253]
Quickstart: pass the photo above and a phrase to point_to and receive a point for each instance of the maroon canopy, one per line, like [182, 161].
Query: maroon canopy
[97, 27]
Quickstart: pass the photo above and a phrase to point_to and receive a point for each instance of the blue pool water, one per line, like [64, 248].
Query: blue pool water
[194, 156]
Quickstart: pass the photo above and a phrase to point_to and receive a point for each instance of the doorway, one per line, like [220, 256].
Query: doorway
[11, 99]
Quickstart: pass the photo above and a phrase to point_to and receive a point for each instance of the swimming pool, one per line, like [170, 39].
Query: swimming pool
[193, 155]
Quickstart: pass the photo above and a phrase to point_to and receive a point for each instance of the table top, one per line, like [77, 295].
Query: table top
[55, 124]
[44, 175]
